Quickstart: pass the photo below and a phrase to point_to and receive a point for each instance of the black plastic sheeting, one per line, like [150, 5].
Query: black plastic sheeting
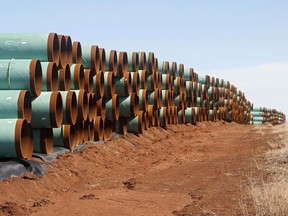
[15, 167]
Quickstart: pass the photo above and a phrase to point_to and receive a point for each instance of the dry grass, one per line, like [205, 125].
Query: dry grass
[269, 195]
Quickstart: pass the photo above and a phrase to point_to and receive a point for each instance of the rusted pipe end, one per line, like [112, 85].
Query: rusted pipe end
[76, 52]
[92, 107]
[101, 107]
[46, 140]
[136, 83]
[144, 100]
[56, 109]
[86, 130]
[143, 79]
[156, 64]
[53, 48]
[142, 61]
[127, 83]
[78, 75]
[134, 104]
[110, 85]
[23, 139]
[175, 115]
[166, 98]
[95, 58]
[91, 130]
[159, 98]
[79, 132]
[102, 55]
[122, 125]
[122, 64]
[71, 107]
[69, 136]
[65, 78]
[150, 63]
[24, 105]
[107, 129]
[83, 105]
[151, 117]
[88, 80]
[35, 71]
[62, 51]
[182, 116]
[159, 80]
[164, 117]
[98, 129]
[112, 64]
[135, 61]
[141, 122]
[52, 77]
[180, 70]
[68, 50]
[98, 84]
[157, 117]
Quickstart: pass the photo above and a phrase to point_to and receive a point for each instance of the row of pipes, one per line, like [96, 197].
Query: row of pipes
[55, 92]
[262, 115]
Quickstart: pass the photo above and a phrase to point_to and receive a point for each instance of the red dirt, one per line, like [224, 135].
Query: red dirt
[184, 170]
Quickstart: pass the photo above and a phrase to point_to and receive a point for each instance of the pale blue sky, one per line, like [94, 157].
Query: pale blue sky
[245, 42]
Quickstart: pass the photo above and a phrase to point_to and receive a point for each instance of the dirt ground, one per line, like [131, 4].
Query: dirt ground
[184, 170]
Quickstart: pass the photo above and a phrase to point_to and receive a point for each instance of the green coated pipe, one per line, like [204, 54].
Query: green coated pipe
[199, 101]
[43, 140]
[163, 116]
[188, 74]
[82, 104]
[259, 118]
[65, 136]
[163, 67]
[166, 84]
[77, 76]
[109, 84]
[181, 116]
[122, 63]
[121, 125]
[191, 115]
[15, 104]
[133, 61]
[151, 82]
[111, 61]
[178, 101]
[91, 57]
[49, 76]
[129, 106]
[123, 85]
[173, 70]
[70, 109]
[16, 138]
[256, 113]
[98, 84]
[21, 74]
[136, 124]
[44, 47]
[150, 60]
[98, 128]
[47, 110]
[153, 98]
[112, 108]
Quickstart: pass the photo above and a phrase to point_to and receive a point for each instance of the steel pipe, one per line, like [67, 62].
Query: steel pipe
[143, 100]
[92, 104]
[101, 107]
[49, 76]
[98, 84]
[191, 115]
[122, 63]
[133, 62]
[16, 138]
[129, 106]
[62, 51]
[47, 110]
[70, 110]
[121, 125]
[109, 84]
[88, 80]
[143, 79]
[91, 58]
[135, 82]
[98, 129]
[151, 117]
[76, 52]
[111, 61]
[43, 140]
[123, 85]
[142, 60]
[181, 116]
[163, 117]
[82, 104]
[77, 76]
[102, 54]
[68, 49]
[44, 47]
[15, 104]
[65, 136]
[21, 74]
[64, 78]
[112, 108]
[136, 124]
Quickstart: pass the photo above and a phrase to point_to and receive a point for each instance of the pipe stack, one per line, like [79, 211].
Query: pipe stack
[56, 92]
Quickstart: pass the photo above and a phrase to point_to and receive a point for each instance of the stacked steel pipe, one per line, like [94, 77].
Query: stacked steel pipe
[56, 92]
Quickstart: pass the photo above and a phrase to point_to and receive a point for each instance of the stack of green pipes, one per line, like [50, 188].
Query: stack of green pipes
[261, 115]
[57, 93]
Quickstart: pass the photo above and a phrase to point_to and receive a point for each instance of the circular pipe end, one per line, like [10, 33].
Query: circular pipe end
[24, 105]
[69, 136]
[35, 70]
[98, 129]
[134, 104]
[95, 58]
[68, 50]
[83, 105]
[115, 107]
[88, 80]
[62, 51]
[71, 108]
[79, 77]
[52, 77]
[102, 55]
[53, 48]
[24, 142]
[76, 52]
[122, 64]
[151, 117]
[65, 78]
[127, 83]
[56, 110]
[135, 61]
[99, 84]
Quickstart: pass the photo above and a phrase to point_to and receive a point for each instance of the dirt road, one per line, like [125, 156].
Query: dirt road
[184, 170]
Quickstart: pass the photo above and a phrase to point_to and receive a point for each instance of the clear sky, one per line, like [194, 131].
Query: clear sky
[245, 42]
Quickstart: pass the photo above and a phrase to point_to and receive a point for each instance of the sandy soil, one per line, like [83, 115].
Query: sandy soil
[184, 170]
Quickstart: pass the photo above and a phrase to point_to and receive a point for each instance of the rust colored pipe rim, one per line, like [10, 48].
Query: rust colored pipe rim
[102, 54]
[53, 48]
[151, 117]
[69, 136]
[110, 84]
[88, 77]
[134, 104]
[92, 107]
[95, 58]
[76, 52]
[24, 105]
[23, 139]
[62, 51]
[91, 130]
[113, 66]
[144, 99]
[52, 77]
[56, 109]
[78, 75]
[135, 61]
[83, 105]
[142, 62]
[115, 107]
[127, 83]
[71, 107]
[157, 117]
[98, 129]
[141, 122]
[86, 130]
[143, 79]
[68, 50]
[136, 83]
[122, 63]
[99, 84]
[65, 78]
[35, 71]
[46, 140]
